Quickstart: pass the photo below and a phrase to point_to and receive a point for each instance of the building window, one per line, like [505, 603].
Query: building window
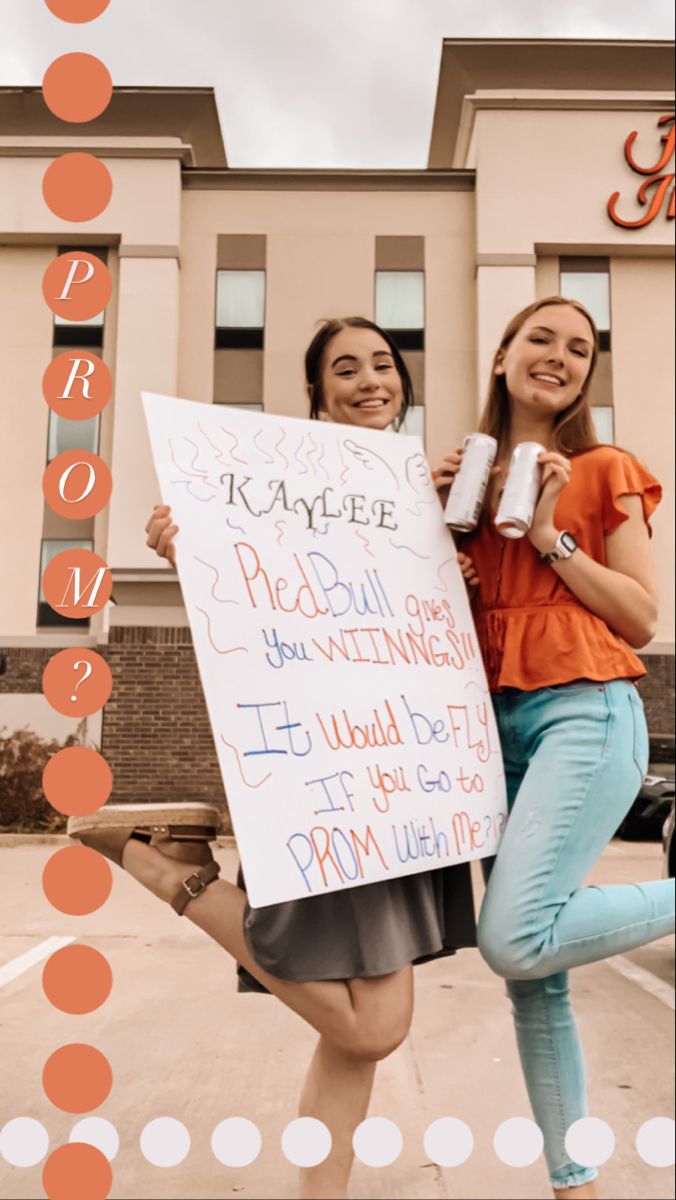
[604, 420]
[85, 334]
[400, 307]
[47, 616]
[415, 421]
[66, 434]
[240, 310]
[589, 282]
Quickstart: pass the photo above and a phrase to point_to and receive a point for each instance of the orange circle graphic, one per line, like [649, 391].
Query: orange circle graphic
[77, 1172]
[77, 682]
[77, 87]
[77, 286]
[77, 484]
[77, 880]
[77, 187]
[77, 385]
[77, 781]
[77, 583]
[77, 1078]
[77, 11]
[77, 979]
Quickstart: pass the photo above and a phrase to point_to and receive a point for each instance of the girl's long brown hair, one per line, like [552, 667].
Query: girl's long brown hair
[574, 427]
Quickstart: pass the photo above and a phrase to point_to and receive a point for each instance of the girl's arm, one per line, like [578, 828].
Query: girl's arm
[624, 592]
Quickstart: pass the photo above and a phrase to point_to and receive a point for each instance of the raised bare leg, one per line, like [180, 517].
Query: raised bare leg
[359, 1021]
[365, 1017]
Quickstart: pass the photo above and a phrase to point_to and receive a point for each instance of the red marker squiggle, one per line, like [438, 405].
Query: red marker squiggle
[253, 786]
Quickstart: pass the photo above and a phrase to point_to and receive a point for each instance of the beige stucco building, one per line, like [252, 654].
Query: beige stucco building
[220, 276]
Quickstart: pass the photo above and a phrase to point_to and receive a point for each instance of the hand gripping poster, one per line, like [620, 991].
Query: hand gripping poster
[347, 696]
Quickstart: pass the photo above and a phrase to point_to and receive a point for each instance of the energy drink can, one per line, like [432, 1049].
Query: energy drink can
[469, 486]
[517, 504]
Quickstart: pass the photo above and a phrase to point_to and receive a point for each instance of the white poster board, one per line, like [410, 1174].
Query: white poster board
[340, 666]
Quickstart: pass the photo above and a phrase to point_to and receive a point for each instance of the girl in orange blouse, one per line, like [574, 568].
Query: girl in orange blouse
[556, 613]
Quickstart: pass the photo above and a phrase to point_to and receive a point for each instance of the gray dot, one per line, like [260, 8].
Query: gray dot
[518, 1142]
[377, 1142]
[99, 1133]
[590, 1142]
[165, 1142]
[448, 1142]
[24, 1142]
[655, 1142]
[306, 1142]
[236, 1142]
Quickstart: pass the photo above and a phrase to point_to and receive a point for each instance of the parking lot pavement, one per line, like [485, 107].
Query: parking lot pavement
[183, 1043]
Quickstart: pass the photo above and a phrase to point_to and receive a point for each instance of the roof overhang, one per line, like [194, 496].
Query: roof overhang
[610, 73]
[187, 114]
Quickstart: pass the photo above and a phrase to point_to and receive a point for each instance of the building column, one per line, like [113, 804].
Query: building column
[146, 359]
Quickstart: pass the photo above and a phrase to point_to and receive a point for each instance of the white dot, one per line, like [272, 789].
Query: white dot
[518, 1142]
[94, 1131]
[23, 1142]
[306, 1142]
[655, 1142]
[377, 1142]
[236, 1142]
[165, 1142]
[448, 1142]
[590, 1142]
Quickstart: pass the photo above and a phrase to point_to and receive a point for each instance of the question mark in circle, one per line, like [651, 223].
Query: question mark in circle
[87, 673]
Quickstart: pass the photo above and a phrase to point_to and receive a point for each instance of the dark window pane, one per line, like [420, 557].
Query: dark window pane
[47, 616]
[408, 339]
[239, 339]
[82, 336]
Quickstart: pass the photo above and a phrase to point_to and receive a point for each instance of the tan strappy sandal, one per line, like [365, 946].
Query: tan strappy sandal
[179, 831]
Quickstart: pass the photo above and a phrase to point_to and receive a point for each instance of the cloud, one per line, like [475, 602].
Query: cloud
[307, 82]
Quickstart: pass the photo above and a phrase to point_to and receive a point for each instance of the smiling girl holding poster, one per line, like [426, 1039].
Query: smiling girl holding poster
[342, 960]
[556, 613]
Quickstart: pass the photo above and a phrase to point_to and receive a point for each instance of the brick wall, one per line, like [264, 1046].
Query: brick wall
[156, 732]
[23, 668]
[657, 692]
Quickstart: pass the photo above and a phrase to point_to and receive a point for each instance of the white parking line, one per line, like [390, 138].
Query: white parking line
[24, 962]
[644, 979]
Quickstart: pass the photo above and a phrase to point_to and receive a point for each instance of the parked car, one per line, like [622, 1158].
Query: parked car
[647, 815]
[668, 865]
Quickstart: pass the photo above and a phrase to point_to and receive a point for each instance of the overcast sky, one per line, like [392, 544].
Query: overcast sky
[346, 83]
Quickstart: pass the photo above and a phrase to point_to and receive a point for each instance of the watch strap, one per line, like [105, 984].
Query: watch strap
[560, 551]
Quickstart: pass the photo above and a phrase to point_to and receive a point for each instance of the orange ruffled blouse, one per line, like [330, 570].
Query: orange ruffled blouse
[532, 630]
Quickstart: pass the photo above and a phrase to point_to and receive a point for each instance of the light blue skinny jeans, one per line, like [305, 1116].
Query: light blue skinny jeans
[575, 756]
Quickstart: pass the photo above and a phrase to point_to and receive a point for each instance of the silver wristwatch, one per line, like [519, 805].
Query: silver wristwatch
[564, 546]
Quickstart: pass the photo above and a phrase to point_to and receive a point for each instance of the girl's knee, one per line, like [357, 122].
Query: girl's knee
[379, 1044]
[374, 1039]
[493, 946]
[510, 958]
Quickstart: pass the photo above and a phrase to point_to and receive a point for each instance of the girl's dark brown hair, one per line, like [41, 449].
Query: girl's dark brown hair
[314, 362]
[574, 427]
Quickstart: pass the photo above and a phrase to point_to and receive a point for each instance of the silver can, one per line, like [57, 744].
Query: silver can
[524, 480]
[466, 497]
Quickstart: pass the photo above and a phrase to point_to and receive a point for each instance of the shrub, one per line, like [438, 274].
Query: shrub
[23, 757]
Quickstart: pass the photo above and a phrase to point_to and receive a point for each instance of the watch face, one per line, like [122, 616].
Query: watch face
[568, 541]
